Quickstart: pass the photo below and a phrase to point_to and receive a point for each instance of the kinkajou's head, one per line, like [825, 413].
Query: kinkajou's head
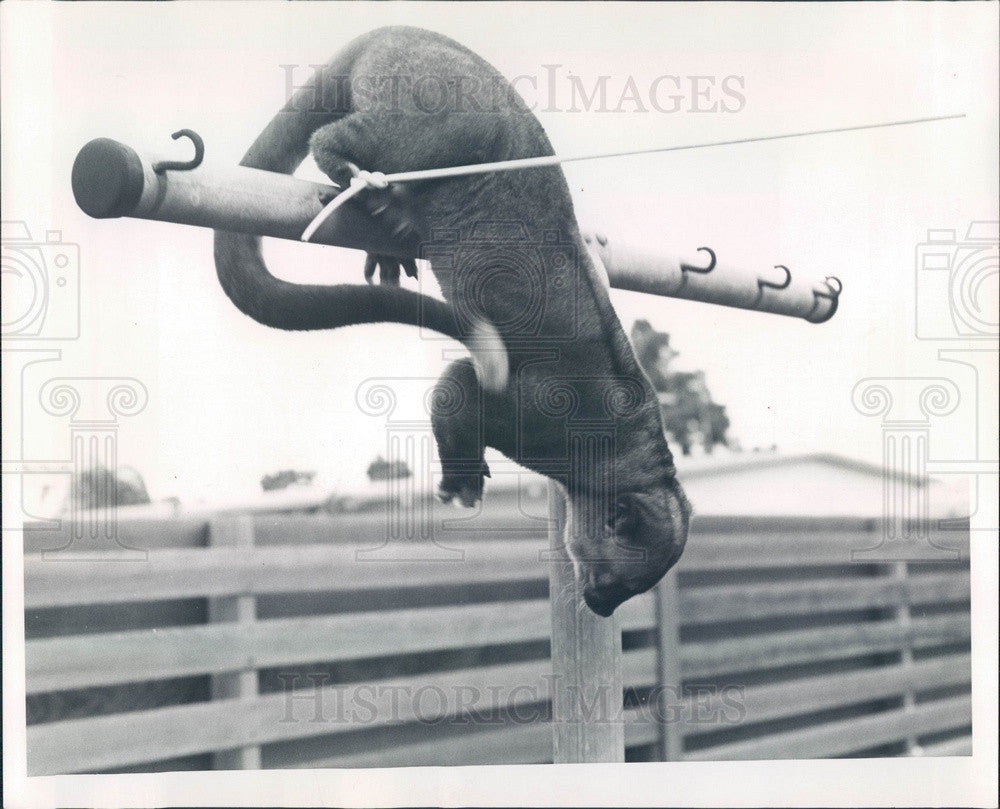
[632, 550]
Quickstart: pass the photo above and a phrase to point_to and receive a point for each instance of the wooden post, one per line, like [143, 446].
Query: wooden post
[235, 532]
[587, 722]
[668, 670]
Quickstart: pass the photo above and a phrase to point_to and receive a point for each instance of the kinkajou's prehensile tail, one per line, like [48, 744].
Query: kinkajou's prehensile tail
[244, 275]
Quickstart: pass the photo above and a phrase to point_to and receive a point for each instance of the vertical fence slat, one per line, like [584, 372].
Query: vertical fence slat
[234, 532]
[587, 722]
[900, 572]
[668, 669]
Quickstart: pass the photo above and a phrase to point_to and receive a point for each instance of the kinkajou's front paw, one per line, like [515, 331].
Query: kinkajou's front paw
[467, 488]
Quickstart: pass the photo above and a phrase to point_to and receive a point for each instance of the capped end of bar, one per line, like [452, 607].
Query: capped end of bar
[107, 179]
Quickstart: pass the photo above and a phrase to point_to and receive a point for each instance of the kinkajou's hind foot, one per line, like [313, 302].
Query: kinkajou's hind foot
[466, 487]
[344, 151]
[388, 268]
[389, 206]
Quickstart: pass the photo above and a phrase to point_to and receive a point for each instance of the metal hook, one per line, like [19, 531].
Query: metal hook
[763, 283]
[686, 268]
[181, 165]
[832, 295]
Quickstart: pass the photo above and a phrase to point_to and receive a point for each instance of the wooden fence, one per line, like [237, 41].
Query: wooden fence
[266, 642]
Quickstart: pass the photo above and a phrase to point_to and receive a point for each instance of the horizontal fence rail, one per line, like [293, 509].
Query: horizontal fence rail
[96, 579]
[269, 642]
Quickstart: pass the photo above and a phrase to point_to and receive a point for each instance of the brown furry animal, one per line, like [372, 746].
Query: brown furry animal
[554, 385]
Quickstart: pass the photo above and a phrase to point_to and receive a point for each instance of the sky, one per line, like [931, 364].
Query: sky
[229, 400]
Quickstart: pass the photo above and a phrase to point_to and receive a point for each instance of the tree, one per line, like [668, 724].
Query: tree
[285, 478]
[381, 469]
[689, 414]
[101, 487]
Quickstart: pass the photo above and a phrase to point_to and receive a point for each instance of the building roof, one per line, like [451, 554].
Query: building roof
[729, 463]
[752, 483]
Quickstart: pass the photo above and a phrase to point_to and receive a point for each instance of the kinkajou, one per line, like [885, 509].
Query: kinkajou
[553, 383]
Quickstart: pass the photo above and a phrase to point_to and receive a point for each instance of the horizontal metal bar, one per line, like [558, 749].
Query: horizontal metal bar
[111, 180]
